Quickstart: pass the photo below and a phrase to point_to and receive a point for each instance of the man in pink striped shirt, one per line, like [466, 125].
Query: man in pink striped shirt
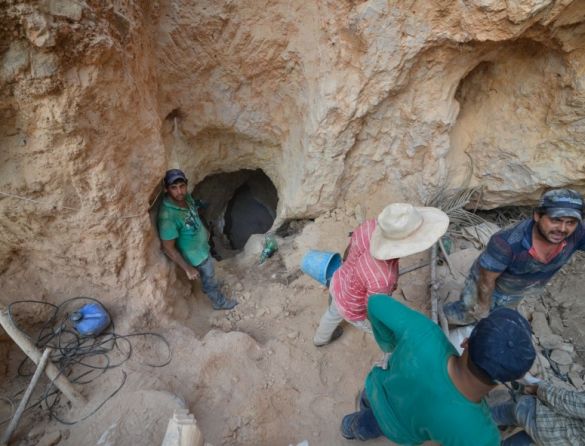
[371, 263]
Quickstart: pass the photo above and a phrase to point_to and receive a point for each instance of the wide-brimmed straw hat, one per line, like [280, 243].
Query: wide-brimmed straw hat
[403, 229]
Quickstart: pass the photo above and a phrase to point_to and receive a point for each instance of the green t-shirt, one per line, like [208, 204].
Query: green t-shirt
[184, 226]
[414, 400]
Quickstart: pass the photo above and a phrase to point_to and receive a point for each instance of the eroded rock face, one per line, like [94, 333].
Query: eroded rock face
[339, 103]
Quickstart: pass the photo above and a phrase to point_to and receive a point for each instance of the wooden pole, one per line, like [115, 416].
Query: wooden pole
[27, 346]
[24, 401]
[443, 320]
[434, 285]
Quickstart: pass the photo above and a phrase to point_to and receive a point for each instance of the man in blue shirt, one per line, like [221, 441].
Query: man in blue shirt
[520, 260]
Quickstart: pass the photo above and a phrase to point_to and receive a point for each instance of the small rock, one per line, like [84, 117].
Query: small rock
[44, 65]
[540, 325]
[564, 369]
[261, 312]
[576, 379]
[550, 341]
[50, 439]
[556, 322]
[15, 60]
[538, 306]
[225, 325]
[561, 357]
[292, 335]
[566, 306]
[38, 31]
[238, 286]
[65, 8]
[569, 348]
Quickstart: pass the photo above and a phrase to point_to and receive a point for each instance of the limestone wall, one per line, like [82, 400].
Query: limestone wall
[339, 102]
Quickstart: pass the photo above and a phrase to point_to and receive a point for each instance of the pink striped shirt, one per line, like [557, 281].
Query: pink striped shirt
[361, 275]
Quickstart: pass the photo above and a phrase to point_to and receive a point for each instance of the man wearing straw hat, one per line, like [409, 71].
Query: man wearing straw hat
[520, 260]
[371, 264]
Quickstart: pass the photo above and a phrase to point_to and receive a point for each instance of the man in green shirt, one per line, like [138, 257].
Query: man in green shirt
[186, 240]
[427, 392]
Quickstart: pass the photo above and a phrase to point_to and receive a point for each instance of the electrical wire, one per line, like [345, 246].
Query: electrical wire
[82, 359]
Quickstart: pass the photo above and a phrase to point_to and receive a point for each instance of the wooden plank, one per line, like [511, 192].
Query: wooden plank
[28, 347]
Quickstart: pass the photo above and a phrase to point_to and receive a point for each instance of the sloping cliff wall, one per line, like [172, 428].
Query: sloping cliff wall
[339, 103]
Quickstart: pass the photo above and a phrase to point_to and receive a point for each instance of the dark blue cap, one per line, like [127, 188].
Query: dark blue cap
[173, 175]
[500, 345]
[559, 203]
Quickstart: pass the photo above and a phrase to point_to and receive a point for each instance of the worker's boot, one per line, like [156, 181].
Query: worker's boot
[225, 304]
[335, 335]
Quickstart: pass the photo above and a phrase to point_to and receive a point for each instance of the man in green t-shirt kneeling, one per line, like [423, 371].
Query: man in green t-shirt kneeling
[427, 392]
[186, 240]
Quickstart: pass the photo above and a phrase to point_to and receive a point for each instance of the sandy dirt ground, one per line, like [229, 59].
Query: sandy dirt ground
[251, 376]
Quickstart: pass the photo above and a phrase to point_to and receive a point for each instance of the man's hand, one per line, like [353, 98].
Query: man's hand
[531, 389]
[480, 310]
[485, 288]
[170, 250]
[192, 273]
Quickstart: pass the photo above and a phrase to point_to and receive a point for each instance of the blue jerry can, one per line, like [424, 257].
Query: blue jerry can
[90, 320]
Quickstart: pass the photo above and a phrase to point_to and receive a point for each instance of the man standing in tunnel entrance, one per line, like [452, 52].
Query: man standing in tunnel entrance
[186, 240]
[520, 260]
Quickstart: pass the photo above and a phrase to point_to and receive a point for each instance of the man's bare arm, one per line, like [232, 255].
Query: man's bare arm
[169, 248]
[485, 288]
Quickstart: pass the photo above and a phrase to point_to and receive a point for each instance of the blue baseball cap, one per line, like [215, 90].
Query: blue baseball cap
[559, 203]
[173, 175]
[501, 347]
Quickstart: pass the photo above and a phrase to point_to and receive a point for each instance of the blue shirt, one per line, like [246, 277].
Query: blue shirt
[508, 252]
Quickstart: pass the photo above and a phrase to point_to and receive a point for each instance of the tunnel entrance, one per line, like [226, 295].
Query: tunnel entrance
[239, 204]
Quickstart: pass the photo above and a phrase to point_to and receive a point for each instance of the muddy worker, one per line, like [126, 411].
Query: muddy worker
[186, 240]
[427, 392]
[548, 415]
[371, 263]
[520, 260]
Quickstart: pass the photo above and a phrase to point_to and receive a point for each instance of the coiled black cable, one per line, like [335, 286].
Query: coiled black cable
[78, 357]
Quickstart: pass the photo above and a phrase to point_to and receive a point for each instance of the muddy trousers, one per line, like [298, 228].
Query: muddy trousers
[331, 319]
[361, 425]
[521, 413]
[209, 283]
[459, 312]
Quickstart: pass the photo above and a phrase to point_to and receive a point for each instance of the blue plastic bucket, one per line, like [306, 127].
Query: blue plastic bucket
[320, 265]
